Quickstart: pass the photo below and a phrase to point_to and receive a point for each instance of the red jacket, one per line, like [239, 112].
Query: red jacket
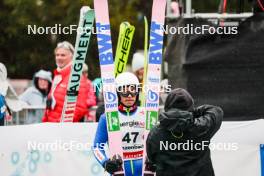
[91, 101]
[58, 92]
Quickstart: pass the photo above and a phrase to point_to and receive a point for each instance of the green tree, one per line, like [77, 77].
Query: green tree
[24, 54]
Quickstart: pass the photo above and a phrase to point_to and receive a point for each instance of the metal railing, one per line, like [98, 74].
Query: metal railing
[28, 115]
[34, 114]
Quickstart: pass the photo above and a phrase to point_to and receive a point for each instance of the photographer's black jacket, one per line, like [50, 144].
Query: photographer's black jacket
[191, 129]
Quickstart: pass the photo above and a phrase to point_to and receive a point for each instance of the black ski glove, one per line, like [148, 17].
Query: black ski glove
[113, 165]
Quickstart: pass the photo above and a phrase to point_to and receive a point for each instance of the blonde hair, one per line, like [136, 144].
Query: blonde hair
[85, 67]
[66, 45]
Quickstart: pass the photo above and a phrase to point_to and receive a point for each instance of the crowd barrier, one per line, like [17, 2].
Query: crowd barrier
[33, 114]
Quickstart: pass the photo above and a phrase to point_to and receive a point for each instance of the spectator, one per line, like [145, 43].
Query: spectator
[98, 85]
[2, 110]
[55, 101]
[138, 65]
[138, 69]
[36, 95]
[91, 100]
[3, 79]
[181, 124]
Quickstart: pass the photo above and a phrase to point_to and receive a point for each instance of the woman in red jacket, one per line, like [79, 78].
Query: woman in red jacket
[63, 57]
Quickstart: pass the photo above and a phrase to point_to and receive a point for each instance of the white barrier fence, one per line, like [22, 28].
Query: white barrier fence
[64, 149]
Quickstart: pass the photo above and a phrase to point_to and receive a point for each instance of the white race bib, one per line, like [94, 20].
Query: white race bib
[132, 129]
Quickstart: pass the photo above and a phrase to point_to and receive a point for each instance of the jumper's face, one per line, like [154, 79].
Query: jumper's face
[63, 57]
[128, 95]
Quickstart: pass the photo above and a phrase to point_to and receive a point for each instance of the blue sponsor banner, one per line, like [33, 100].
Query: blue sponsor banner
[105, 44]
[152, 96]
[110, 97]
[152, 100]
[110, 101]
[156, 41]
[155, 58]
[262, 159]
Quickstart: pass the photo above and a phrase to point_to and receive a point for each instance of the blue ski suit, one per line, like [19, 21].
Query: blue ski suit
[133, 167]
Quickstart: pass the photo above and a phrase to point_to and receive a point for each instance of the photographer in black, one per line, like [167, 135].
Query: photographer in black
[180, 125]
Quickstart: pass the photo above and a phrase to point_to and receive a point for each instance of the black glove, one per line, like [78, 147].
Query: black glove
[150, 166]
[113, 165]
[197, 113]
[201, 110]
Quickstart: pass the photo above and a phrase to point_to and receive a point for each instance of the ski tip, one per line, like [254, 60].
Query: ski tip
[145, 18]
[126, 23]
[85, 9]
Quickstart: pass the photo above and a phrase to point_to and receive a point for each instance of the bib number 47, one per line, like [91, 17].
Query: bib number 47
[130, 136]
